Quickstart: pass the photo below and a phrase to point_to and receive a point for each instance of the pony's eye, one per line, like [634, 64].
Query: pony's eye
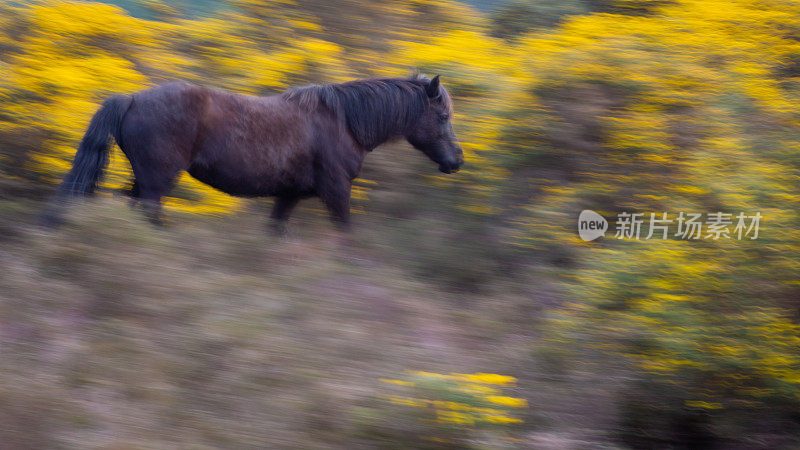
[443, 117]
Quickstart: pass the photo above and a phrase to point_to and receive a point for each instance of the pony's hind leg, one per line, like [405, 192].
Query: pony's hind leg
[157, 137]
[153, 212]
[152, 183]
[133, 194]
[155, 166]
[150, 195]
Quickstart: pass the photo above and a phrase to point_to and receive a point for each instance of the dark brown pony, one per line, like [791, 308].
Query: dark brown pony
[308, 141]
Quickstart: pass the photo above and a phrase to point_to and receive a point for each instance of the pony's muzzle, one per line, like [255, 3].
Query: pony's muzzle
[451, 166]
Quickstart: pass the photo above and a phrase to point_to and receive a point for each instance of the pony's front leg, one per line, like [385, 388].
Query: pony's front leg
[337, 199]
[280, 214]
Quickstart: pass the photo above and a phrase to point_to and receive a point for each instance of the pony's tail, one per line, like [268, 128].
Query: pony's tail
[92, 156]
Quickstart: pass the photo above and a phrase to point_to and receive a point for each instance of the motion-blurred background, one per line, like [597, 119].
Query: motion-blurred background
[210, 333]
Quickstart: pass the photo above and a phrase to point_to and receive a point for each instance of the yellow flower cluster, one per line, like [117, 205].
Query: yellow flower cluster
[480, 400]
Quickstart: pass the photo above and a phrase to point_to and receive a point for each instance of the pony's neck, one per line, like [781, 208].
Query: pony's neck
[377, 111]
[374, 111]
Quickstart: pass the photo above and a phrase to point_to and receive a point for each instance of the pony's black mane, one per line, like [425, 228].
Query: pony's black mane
[374, 109]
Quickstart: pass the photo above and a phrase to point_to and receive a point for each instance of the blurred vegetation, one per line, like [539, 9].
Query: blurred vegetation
[211, 333]
[457, 406]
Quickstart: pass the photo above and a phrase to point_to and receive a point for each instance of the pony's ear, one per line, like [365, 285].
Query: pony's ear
[433, 87]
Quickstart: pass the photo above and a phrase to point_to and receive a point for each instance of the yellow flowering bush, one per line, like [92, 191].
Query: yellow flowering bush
[458, 404]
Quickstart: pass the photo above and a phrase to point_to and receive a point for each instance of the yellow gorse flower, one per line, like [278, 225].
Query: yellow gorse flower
[508, 401]
[481, 400]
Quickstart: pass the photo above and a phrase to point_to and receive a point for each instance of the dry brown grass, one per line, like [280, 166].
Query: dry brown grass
[210, 333]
